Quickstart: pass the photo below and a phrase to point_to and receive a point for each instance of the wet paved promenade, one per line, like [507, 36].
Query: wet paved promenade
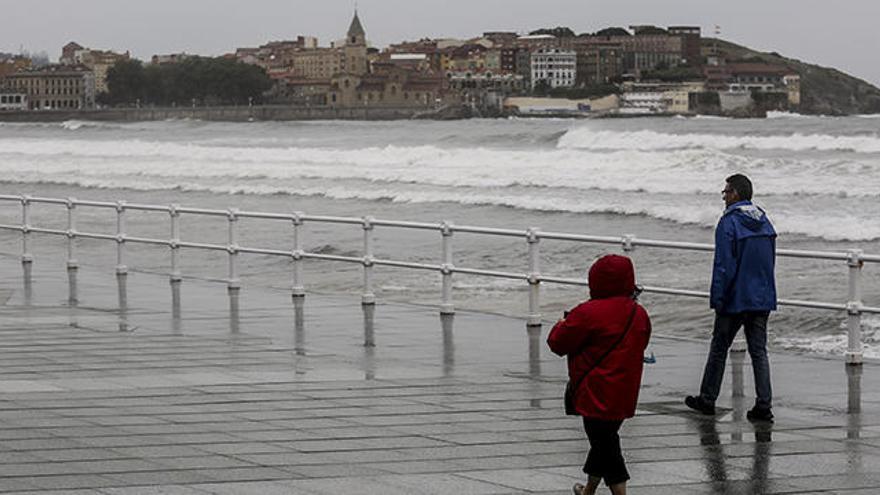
[326, 398]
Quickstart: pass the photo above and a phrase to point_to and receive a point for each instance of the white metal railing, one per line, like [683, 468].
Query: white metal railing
[854, 258]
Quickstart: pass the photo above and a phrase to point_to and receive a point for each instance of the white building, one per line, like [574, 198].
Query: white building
[643, 103]
[555, 66]
[13, 101]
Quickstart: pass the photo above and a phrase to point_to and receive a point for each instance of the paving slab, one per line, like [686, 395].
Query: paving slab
[322, 395]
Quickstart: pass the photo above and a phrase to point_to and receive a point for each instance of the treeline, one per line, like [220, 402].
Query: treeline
[207, 81]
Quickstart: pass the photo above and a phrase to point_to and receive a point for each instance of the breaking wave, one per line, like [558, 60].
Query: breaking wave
[647, 140]
[836, 344]
[686, 210]
[676, 171]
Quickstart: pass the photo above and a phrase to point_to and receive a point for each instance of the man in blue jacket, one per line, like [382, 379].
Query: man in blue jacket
[743, 293]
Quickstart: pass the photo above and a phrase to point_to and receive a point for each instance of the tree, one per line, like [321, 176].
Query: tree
[613, 31]
[673, 74]
[125, 83]
[210, 81]
[541, 88]
[649, 30]
[558, 32]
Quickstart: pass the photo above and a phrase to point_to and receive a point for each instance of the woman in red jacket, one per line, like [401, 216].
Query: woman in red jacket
[604, 339]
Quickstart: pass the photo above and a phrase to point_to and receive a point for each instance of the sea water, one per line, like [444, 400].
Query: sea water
[660, 178]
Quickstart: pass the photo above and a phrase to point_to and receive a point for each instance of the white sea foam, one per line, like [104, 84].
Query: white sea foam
[647, 140]
[683, 209]
[73, 125]
[836, 344]
[787, 115]
[684, 171]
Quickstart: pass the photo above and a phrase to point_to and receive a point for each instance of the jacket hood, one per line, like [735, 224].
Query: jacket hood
[750, 219]
[610, 276]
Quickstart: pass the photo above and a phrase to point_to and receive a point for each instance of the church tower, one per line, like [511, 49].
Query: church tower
[356, 35]
[356, 48]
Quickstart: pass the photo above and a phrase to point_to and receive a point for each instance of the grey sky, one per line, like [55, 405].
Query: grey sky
[842, 33]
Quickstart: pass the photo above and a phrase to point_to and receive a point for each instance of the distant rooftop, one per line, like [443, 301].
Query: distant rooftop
[408, 56]
[538, 37]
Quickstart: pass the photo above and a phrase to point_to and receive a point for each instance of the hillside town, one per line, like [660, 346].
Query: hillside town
[614, 71]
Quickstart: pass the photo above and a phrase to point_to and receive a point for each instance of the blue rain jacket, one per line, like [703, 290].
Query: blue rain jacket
[743, 276]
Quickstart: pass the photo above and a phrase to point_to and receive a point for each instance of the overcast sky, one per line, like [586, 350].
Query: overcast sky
[842, 33]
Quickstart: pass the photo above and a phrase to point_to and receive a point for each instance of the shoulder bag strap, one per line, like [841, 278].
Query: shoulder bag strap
[607, 352]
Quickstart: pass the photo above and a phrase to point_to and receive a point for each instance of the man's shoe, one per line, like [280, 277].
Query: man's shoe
[698, 404]
[759, 414]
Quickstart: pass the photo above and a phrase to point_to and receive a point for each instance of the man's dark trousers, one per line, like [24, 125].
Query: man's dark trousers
[726, 326]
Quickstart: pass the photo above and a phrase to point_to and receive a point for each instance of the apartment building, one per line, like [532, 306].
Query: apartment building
[599, 61]
[651, 48]
[556, 66]
[691, 44]
[55, 87]
[100, 62]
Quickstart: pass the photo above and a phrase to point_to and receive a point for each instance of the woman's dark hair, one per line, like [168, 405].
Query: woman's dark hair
[742, 185]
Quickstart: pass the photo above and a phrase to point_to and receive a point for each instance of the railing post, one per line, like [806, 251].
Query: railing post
[297, 290]
[27, 260]
[447, 307]
[175, 278]
[854, 308]
[628, 243]
[72, 263]
[233, 285]
[368, 297]
[534, 240]
[121, 268]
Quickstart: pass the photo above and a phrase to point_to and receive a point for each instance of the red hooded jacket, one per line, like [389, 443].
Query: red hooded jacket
[611, 390]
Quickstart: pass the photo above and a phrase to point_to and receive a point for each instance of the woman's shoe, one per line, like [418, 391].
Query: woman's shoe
[579, 489]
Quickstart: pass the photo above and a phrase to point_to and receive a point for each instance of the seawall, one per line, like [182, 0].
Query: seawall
[228, 114]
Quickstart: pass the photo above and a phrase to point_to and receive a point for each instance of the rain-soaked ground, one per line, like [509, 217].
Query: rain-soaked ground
[325, 396]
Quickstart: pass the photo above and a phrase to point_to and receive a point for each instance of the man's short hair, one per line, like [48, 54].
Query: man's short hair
[742, 185]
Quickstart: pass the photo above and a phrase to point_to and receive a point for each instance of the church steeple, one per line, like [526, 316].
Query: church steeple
[356, 34]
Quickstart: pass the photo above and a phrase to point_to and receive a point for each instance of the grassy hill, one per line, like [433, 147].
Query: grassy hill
[824, 90]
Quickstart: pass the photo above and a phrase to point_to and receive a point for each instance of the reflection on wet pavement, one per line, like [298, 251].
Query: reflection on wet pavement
[290, 391]
[446, 324]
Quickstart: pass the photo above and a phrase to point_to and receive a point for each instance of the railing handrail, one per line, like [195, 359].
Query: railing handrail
[438, 226]
[854, 258]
